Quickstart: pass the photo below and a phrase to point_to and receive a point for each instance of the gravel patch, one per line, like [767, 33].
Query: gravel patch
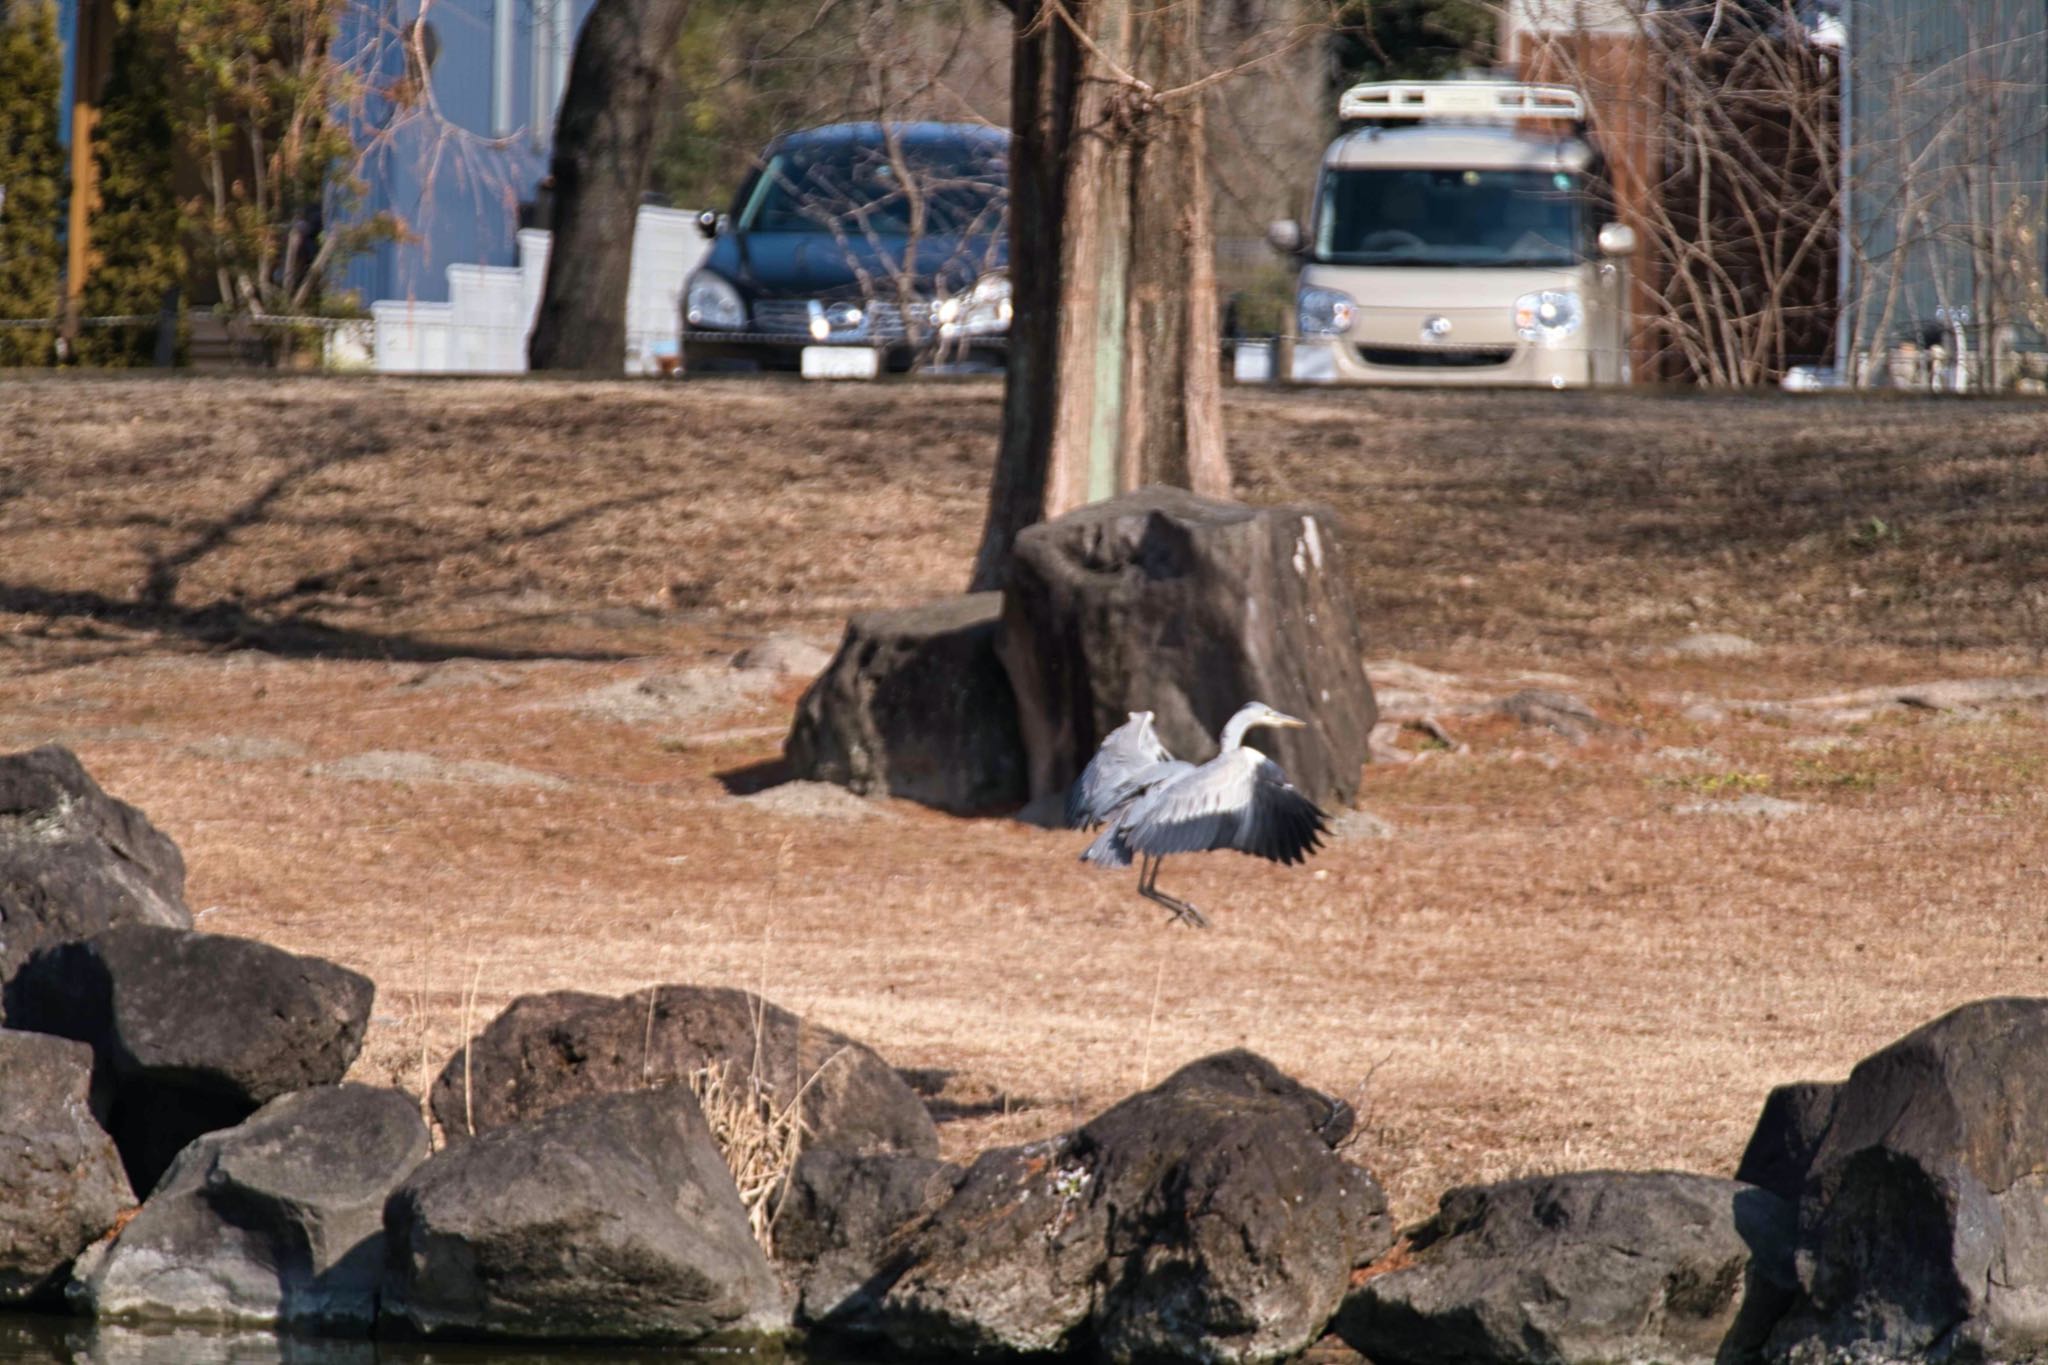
[1754, 804]
[672, 698]
[815, 801]
[391, 765]
[245, 748]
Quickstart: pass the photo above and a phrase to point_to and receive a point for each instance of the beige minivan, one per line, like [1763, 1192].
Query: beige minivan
[1453, 241]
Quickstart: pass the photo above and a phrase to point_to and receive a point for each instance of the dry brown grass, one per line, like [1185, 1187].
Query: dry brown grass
[760, 1140]
[1550, 964]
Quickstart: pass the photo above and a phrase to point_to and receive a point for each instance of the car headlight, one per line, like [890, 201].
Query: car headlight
[1324, 312]
[984, 310]
[1548, 316]
[712, 302]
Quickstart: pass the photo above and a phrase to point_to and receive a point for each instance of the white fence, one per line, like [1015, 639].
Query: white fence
[483, 327]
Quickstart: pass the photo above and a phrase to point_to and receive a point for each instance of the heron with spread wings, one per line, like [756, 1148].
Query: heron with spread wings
[1154, 804]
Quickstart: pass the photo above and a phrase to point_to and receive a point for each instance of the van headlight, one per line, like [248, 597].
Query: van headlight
[1548, 316]
[984, 310]
[712, 302]
[1324, 312]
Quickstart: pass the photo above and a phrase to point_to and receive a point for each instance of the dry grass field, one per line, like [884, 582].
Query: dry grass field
[430, 678]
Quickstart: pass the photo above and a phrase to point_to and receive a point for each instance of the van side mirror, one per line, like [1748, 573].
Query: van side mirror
[709, 223]
[1285, 236]
[1617, 239]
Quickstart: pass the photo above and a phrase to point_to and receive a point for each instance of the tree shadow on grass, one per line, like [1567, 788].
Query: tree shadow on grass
[231, 625]
[285, 622]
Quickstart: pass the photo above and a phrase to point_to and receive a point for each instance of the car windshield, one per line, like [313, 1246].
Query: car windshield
[1449, 217]
[878, 190]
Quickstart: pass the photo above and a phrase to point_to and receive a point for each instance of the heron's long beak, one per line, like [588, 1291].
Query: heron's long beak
[1274, 718]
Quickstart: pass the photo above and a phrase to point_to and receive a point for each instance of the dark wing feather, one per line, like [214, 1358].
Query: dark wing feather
[1280, 823]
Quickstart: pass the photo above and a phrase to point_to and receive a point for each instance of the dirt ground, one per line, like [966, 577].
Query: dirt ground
[432, 678]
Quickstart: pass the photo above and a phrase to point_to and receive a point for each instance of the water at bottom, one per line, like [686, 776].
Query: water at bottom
[28, 1339]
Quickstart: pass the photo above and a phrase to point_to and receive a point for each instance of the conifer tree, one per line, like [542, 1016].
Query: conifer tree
[137, 249]
[31, 176]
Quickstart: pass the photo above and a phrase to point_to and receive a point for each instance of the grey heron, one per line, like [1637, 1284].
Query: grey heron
[1155, 804]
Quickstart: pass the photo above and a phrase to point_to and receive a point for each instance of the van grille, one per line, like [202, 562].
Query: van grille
[1436, 357]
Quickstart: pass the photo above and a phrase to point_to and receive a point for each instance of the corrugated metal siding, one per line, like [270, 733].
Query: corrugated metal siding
[457, 189]
[1947, 126]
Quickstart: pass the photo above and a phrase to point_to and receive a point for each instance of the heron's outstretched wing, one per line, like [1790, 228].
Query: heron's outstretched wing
[1240, 799]
[1125, 765]
[1281, 823]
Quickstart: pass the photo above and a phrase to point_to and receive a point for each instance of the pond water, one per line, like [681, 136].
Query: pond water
[27, 1339]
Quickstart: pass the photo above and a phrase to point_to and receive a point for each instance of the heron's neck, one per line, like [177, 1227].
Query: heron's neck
[1234, 732]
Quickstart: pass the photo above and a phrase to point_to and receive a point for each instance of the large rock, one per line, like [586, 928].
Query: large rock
[1206, 1219]
[279, 1220]
[191, 1032]
[612, 1219]
[1590, 1266]
[546, 1050]
[1923, 1225]
[837, 1219]
[74, 861]
[917, 705]
[1186, 607]
[1788, 1132]
[61, 1184]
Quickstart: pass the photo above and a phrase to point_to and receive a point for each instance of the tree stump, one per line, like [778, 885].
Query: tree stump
[1187, 607]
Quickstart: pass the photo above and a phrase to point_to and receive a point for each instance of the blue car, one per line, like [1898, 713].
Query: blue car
[892, 238]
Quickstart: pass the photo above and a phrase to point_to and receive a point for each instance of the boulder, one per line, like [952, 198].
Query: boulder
[610, 1219]
[1590, 1266]
[276, 1221]
[74, 861]
[1208, 1218]
[191, 1032]
[1187, 607]
[61, 1183]
[546, 1050]
[916, 704]
[1923, 1224]
[837, 1217]
[1788, 1132]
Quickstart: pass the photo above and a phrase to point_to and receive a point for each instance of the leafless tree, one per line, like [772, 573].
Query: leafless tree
[1718, 123]
[604, 142]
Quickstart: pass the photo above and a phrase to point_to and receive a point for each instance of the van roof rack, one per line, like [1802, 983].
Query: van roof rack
[1498, 100]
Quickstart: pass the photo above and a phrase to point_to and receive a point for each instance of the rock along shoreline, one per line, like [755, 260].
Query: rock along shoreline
[178, 1148]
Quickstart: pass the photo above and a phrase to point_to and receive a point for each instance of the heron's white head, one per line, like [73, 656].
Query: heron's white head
[1253, 714]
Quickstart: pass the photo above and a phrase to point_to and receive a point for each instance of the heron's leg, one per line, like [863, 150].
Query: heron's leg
[1148, 887]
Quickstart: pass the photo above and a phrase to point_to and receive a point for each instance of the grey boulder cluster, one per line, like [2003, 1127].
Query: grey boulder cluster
[1158, 601]
[178, 1147]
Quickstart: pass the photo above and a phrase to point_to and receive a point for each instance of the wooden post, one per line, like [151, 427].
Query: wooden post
[92, 45]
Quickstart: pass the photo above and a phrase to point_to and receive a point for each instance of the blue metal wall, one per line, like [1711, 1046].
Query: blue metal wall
[455, 173]
[454, 176]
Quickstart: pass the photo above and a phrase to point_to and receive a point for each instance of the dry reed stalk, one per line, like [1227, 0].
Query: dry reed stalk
[468, 1044]
[1151, 1023]
[759, 1141]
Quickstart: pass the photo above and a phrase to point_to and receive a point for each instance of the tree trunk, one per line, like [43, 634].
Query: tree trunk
[1114, 377]
[604, 141]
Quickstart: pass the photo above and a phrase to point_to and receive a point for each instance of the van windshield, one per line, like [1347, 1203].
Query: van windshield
[863, 190]
[1449, 217]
